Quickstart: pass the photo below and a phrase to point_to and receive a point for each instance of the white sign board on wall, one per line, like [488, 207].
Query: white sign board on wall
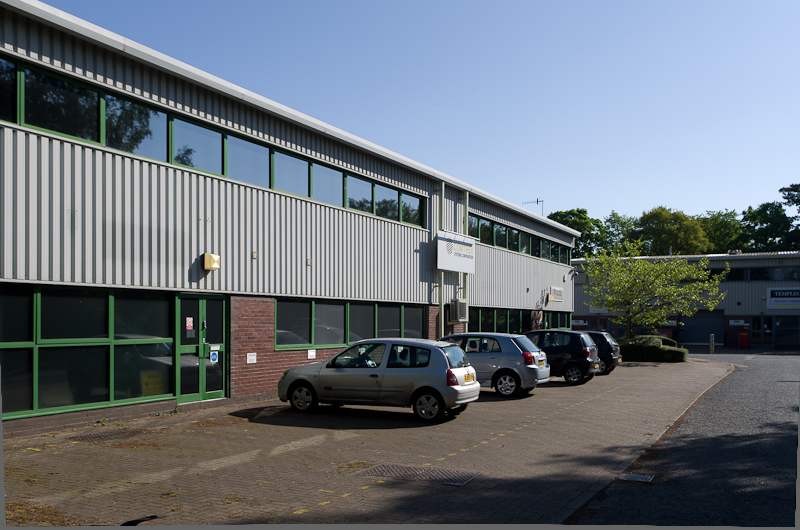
[455, 252]
[779, 298]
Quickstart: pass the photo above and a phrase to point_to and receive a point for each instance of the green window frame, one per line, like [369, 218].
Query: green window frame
[496, 320]
[315, 344]
[43, 349]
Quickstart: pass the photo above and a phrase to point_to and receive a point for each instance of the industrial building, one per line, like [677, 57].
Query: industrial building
[169, 239]
[761, 308]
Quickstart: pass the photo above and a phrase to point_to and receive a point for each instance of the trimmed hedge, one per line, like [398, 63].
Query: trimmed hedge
[651, 348]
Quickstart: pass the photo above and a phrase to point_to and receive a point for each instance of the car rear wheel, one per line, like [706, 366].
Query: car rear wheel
[603, 368]
[428, 407]
[573, 375]
[302, 398]
[507, 384]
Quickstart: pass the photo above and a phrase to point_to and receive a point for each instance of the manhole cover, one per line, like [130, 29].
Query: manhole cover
[117, 434]
[450, 477]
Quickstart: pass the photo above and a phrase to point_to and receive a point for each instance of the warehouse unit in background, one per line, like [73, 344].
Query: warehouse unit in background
[170, 239]
[761, 306]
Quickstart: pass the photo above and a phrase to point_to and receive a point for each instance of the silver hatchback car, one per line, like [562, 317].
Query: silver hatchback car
[511, 364]
[430, 376]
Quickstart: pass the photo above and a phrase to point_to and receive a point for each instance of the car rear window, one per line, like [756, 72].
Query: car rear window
[610, 340]
[456, 357]
[525, 344]
[587, 340]
[408, 357]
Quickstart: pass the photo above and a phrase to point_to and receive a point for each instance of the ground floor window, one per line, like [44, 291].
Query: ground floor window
[495, 320]
[65, 348]
[334, 323]
[557, 319]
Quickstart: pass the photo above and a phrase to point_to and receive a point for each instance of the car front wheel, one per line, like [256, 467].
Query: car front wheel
[573, 375]
[428, 407]
[302, 398]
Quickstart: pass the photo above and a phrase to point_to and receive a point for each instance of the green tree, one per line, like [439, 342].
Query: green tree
[791, 195]
[664, 231]
[646, 292]
[185, 156]
[767, 228]
[724, 231]
[591, 230]
[617, 229]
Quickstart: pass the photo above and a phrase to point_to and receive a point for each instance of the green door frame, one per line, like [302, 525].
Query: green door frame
[202, 350]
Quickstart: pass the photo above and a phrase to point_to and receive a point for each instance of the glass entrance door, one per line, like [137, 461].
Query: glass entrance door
[201, 347]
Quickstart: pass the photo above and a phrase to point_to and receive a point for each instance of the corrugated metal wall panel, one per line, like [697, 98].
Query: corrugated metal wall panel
[493, 212]
[503, 277]
[85, 215]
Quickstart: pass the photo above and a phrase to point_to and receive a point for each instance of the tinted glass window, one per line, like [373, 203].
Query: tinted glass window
[474, 226]
[138, 313]
[736, 275]
[536, 246]
[359, 194]
[412, 209]
[142, 370]
[17, 379]
[525, 243]
[136, 129]
[500, 235]
[487, 320]
[527, 321]
[8, 93]
[197, 147]
[190, 321]
[387, 203]
[414, 322]
[329, 323]
[59, 105]
[525, 344]
[248, 162]
[71, 376]
[501, 321]
[74, 313]
[16, 313]
[291, 174]
[403, 356]
[388, 321]
[362, 321]
[474, 319]
[545, 249]
[554, 248]
[513, 321]
[361, 356]
[328, 185]
[487, 233]
[293, 322]
[215, 321]
[456, 357]
[565, 255]
[513, 240]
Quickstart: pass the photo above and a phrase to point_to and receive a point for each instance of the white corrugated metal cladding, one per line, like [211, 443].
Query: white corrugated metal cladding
[80, 213]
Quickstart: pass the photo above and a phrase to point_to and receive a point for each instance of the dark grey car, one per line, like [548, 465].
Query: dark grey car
[511, 364]
[572, 354]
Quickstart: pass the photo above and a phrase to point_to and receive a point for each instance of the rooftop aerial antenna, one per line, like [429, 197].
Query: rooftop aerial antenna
[537, 201]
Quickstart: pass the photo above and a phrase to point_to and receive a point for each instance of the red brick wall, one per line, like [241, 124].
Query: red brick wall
[253, 331]
[433, 324]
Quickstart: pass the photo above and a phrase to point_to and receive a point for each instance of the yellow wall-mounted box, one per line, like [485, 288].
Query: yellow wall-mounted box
[210, 262]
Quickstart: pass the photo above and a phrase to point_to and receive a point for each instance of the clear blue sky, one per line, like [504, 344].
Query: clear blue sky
[604, 105]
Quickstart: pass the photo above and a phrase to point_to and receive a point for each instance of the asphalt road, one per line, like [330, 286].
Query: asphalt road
[730, 461]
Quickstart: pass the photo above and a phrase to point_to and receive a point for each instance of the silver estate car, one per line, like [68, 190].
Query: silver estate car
[511, 364]
[430, 376]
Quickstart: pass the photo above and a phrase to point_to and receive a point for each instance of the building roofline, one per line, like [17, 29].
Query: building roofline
[91, 32]
[718, 257]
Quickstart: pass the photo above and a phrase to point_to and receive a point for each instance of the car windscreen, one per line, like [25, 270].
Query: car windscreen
[525, 344]
[456, 357]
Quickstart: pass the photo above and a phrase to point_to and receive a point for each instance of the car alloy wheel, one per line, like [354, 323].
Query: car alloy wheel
[602, 370]
[507, 385]
[428, 407]
[573, 375]
[302, 399]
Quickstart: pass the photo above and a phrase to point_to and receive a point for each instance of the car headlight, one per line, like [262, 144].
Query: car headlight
[284, 375]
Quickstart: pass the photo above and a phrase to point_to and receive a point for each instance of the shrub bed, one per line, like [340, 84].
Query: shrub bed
[651, 348]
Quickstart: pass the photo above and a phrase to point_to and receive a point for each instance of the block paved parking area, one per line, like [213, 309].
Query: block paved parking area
[537, 458]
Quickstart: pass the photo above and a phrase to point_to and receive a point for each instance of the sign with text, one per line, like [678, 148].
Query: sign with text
[782, 298]
[455, 252]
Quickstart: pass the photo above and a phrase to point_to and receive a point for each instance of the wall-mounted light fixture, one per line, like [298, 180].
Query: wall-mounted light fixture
[210, 262]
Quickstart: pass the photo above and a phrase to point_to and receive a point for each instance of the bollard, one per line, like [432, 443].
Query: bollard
[711, 344]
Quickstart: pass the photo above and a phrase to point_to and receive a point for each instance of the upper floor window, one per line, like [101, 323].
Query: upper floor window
[290, 174]
[8, 90]
[136, 129]
[197, 147]
[328, 185]
[248, 162]
[59, 105]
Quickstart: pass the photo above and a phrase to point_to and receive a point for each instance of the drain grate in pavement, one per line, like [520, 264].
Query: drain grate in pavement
[118, 434]
[630, 477]
[450, 477]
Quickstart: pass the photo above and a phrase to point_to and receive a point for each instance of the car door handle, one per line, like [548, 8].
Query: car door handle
[373, 375]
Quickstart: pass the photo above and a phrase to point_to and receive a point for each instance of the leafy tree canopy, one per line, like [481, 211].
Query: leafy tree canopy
[641, 292]
[617, 229]
[663, 230]
[767, 228]
[791, 195]
[724, 231]
[591, 230]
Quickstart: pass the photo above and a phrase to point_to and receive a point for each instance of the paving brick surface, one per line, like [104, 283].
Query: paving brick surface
[262, 463]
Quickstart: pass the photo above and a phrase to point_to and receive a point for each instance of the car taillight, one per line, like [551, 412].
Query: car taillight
[529, 359]
[587, 352]
[451, 379]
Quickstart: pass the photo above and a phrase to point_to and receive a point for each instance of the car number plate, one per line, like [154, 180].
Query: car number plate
[469, 377]
[541, 363]
[597, 366]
